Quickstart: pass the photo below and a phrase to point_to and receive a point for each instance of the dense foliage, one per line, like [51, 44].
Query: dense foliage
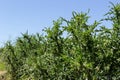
[70, 50]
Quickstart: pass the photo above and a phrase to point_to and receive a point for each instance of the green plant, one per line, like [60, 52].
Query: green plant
[84, 53]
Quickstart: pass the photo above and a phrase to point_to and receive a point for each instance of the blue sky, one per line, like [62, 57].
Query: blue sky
[18, 16]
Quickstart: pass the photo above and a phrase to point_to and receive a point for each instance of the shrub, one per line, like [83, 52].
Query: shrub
[84, 53]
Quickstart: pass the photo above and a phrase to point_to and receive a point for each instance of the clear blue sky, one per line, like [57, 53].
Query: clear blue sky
[18, 16]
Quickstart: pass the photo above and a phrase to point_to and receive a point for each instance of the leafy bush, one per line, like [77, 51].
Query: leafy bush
[84, 53]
